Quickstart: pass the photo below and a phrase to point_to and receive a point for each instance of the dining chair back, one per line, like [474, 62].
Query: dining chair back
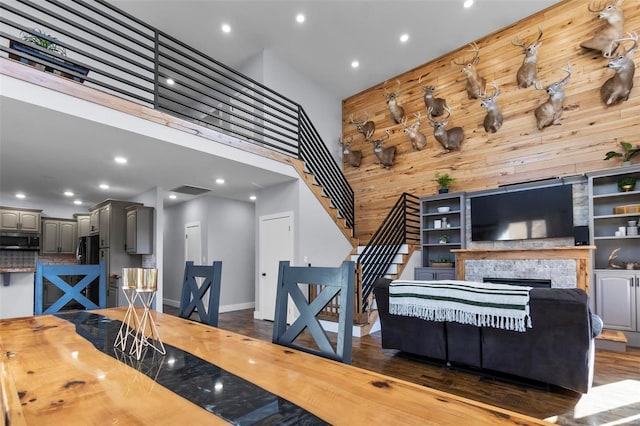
[193, 293]
[73, 285]
[331, 283]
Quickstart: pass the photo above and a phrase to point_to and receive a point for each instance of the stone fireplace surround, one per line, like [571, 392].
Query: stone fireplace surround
[557, 259]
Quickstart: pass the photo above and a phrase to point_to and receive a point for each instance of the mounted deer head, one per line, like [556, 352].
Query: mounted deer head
[475, 83]
[365, 126]
[353, 157]
[617, 88]
[493, 119]
[418, 139]
[549, 112]
[397, 112]
[528, 71]
[605, 40]
[384, 155]
[450, 139]
[436, 104]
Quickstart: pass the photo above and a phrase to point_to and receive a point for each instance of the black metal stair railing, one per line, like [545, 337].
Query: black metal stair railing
[401, 226]
[105, 48]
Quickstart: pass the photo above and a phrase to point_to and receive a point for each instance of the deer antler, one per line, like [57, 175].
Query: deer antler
[430, 117]
[600, 6]
[353, 121]
[476, 50]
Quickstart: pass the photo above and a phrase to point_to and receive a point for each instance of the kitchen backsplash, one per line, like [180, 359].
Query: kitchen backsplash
[28, 259]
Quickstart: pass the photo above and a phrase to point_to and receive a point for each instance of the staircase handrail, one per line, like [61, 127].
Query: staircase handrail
[401, 226]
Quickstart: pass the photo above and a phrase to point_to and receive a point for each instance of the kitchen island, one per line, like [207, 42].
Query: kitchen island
[64, 369]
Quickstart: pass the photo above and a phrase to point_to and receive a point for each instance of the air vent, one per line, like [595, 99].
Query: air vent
[190, 190]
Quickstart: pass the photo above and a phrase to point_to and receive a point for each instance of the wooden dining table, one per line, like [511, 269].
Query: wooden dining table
[63, 369]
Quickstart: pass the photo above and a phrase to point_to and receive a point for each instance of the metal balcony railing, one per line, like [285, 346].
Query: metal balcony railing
[100, 46]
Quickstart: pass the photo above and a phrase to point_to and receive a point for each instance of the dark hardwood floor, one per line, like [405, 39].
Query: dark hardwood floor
[613, 400]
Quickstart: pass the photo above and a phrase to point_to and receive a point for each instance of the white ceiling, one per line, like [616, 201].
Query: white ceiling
[55, 155]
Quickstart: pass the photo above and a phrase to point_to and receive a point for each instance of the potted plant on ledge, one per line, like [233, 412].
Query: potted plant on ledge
[628, 152]
[444, 181]
[57, 56]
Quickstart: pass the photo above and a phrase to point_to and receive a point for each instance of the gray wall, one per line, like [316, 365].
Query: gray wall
[228, 234]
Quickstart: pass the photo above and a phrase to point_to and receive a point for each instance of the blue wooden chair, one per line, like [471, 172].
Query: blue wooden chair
[56, 274]
[331, 282]
[192, 294]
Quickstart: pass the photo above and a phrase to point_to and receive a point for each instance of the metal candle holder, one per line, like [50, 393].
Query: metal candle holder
[139, 284]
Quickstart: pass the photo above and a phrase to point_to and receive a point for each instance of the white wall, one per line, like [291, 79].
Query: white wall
[228, 234]
[323, 107]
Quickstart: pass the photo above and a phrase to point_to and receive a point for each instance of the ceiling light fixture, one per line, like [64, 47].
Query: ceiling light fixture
[104, 186]
[226, 28]
[219, 181]
[355, 64]
[120, 160]
[77, 202]
[300, 18]
[468, 3]
[68, 194]
[171, 81]
[20, 195]
[173, 196]
[404, 38]
[253, 198]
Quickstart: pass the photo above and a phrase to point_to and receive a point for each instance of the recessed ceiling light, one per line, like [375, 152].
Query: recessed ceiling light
[20, 195]
[404, 38]
[226, 28]
[219, 181]
[468, 3]
[68, 193]
[355, 64]
[173, 196]
[104, 186]
[300, 18]
[253, 198]
[77, 202]
[120, 160]
[171, 81]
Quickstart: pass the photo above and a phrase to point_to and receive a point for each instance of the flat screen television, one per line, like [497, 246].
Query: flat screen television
[545, 212]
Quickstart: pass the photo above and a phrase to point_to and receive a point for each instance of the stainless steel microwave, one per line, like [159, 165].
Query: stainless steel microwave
[19, 241]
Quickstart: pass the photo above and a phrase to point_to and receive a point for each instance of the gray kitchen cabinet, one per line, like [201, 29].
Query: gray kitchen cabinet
[20, 220]
[84, 224]
[112, 236]
[59, 236]
[139, 230]
[94, 222]
[104, 226]
[618, 299]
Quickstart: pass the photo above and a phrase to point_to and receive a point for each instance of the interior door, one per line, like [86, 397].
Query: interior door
[193, 243]
[275, 244]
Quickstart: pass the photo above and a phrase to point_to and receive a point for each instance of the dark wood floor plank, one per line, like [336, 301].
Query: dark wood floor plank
[614, 398]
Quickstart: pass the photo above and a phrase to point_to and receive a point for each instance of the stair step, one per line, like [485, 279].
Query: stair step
[612, 340]
[398, 259]
[404, 249]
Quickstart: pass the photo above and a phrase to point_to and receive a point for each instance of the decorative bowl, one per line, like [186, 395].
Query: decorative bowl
[443, 209]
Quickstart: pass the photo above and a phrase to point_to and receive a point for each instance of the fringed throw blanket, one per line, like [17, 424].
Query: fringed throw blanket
[467, 302]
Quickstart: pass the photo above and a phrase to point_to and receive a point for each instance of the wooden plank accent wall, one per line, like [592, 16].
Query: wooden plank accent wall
[518, 152]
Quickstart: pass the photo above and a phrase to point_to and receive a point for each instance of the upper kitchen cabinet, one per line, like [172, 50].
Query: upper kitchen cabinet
[20, 220]
[59, 236]
[84, 224]
[94, 222]
[112, 223]
[139, 230]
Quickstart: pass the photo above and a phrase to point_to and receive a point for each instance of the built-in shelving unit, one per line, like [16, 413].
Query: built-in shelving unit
[617, 291]
[438, 241]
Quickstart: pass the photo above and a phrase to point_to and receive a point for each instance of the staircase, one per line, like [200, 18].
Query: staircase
[612, 340]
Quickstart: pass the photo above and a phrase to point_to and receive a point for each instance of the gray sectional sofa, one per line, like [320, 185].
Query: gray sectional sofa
[558, 350]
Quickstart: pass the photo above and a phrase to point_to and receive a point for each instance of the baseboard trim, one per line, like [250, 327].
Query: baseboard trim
[223, 308]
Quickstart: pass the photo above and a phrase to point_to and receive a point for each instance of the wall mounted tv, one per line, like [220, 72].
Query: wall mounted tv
[545, 212]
